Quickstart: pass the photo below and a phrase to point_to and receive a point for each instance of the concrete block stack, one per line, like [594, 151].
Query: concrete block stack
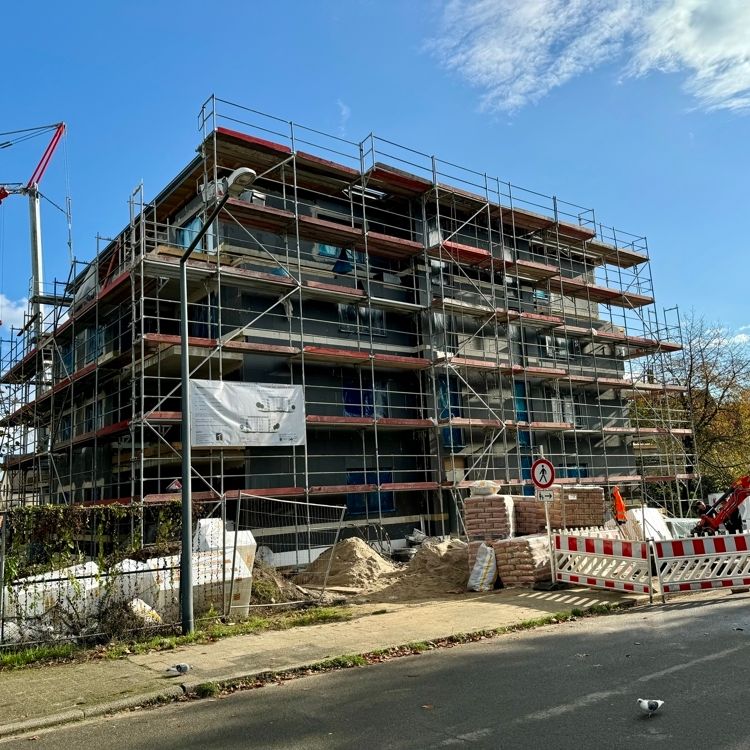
[523, 561]
[571, 507]
[530, 517]
[487, 517]
[516, 527]
[582, 506]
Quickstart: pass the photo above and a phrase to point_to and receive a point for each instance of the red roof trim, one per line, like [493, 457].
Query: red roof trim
[268, 145]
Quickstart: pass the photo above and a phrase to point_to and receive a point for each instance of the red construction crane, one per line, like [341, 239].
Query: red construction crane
[31, 188]
[41, 168]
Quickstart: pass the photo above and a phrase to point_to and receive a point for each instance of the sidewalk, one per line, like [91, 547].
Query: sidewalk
[38, 697]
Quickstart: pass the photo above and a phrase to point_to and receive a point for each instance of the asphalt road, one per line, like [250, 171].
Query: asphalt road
[572, 685]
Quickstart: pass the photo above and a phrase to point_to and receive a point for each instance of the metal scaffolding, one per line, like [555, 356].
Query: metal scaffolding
[445, 327]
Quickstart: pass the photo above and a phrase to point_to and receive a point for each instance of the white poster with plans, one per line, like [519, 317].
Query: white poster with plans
[234, 415]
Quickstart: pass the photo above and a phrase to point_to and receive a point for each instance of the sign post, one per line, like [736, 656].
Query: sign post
[543, 477]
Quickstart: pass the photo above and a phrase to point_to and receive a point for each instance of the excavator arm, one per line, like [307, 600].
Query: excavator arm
[723, 508]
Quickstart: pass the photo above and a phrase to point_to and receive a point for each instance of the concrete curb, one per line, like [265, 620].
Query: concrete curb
[122, 704]
[191, 687]
[66, 717]
[31, 725]
[228, 679]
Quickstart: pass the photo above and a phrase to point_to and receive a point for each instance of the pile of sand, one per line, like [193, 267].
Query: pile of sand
[437, 568]
[270, 587]
[354, 564]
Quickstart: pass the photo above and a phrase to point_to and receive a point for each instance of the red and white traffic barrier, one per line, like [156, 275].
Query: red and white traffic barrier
[707, 562]
[603, 563]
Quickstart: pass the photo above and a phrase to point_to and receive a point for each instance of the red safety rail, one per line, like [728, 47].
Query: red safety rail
[703, 563]
[603, 563]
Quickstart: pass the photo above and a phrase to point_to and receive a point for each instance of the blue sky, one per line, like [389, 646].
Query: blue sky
[637, 108]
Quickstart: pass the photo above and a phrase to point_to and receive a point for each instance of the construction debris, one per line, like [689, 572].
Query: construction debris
[645, 523]
[76, 601]
[270, 587]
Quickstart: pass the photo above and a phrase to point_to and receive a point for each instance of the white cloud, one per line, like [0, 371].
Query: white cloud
[727, 337]
[709, 40]
[12, 312]
[517, 51]
[345, 112]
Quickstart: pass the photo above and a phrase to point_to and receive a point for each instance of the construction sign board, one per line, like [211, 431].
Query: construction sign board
[542, 473]
[228, 414]
[544, 496]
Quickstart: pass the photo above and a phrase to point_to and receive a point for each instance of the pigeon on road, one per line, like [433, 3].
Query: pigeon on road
[650, 705]
[177, 669]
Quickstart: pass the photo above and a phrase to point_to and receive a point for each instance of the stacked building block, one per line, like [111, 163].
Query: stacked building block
[497, 519]
[486, 518]
[523, 561]
[571, 507]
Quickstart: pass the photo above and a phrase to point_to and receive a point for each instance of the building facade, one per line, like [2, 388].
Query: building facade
[444, 326]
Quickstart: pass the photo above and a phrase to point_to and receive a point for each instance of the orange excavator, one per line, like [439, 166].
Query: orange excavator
[725, 510]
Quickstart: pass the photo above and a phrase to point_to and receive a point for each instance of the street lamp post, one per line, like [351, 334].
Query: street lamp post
[235, 184]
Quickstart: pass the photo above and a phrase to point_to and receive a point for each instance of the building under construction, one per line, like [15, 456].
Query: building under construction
[444, 326]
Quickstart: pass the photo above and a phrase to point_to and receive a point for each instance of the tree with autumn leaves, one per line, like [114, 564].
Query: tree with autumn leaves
[715, 367]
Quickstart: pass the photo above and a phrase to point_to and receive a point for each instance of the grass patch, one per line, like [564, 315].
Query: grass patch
[318, 616]
[602, 609]
[341, 662]
[419, 646]
[155, 643]
[266, 590]
[218, 630]
[207, 690]
[37, 654]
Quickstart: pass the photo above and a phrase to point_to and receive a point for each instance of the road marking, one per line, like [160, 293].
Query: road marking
[460, 739]
[587, 700]
[687, 665]
[584, 700]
